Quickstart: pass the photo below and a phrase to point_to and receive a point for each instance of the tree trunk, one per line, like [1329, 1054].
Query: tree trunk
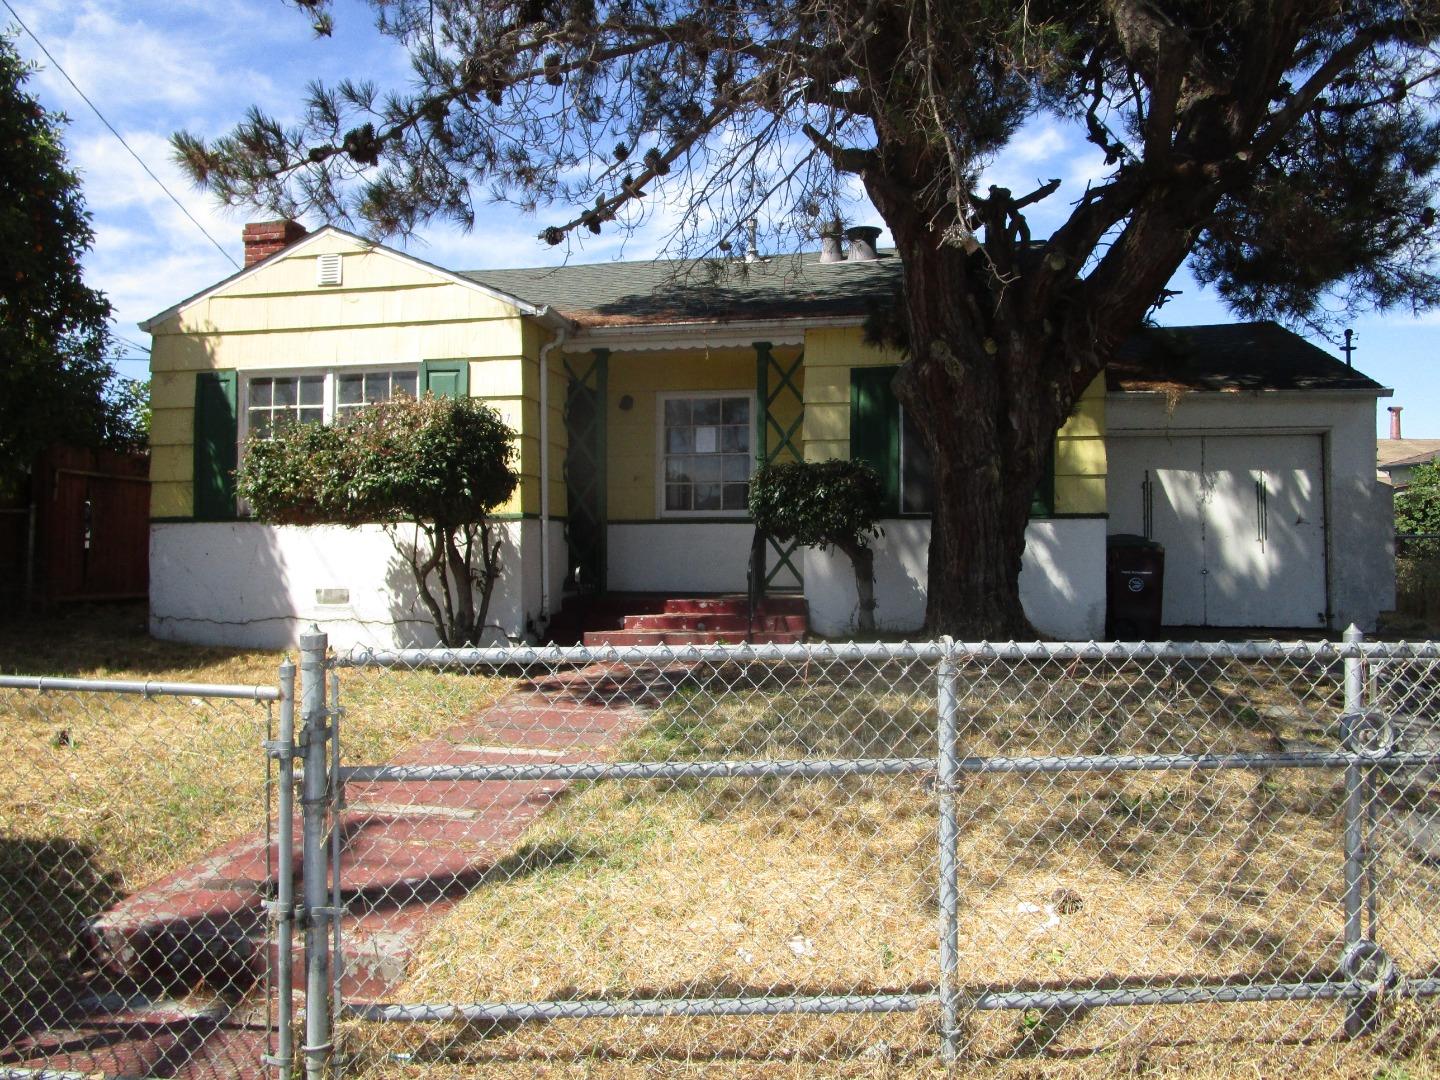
[981, 387]
[862, 561]
[1001, 342]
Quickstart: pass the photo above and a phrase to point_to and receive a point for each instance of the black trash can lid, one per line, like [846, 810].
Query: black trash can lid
[1133, 540]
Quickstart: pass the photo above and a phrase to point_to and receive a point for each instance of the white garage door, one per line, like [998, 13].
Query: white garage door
[1242, 518]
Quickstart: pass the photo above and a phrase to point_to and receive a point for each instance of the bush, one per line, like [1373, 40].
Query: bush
[439, 464]
[825, 504]
[1417, 510]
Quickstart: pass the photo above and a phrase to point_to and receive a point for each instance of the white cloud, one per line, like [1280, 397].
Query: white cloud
[124, 62]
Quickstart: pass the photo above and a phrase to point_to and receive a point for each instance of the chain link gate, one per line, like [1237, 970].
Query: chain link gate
[1137, 832]
[127, 945]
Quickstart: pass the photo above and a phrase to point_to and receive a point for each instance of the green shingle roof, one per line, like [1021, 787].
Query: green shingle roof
[1218, 357]
[1229, 356]
[693, 290]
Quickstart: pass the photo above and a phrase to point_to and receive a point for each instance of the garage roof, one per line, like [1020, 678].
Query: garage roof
[1229, 356]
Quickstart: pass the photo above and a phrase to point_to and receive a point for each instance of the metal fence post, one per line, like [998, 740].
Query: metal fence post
[283, 750]
[314, 802]
[946, 773]
[1360, 1013]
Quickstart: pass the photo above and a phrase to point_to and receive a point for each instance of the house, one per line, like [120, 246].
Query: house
[1396, 457]
[642, 393]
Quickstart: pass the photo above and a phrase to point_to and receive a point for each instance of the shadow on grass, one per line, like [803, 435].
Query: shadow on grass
[50, 889]
[77, 639]
[405, 893]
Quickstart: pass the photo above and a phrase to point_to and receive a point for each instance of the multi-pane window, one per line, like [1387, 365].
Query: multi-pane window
[274, 401]
[707, 455]
[271, 401]
[354, 390]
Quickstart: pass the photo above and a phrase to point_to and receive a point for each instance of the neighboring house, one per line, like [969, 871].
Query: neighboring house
[643, 393]
[1396, 457]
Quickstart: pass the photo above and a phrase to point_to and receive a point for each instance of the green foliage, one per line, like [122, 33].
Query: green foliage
[822, 504]
[1343, 208]
[825, 504]
[443, 460]
[439, 464]
[53, 327]
[127, 413]
[1417, 508]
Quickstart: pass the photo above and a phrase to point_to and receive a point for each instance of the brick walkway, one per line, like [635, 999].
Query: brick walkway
[410, 852]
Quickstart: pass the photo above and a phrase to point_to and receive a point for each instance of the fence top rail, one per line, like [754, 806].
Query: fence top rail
[961, 651]
[143, 689]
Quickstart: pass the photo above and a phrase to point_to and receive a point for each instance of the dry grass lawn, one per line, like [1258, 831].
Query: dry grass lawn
[109, 792]
[746, 887]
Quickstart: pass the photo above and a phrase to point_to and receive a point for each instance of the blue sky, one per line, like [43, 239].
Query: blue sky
[154, 67]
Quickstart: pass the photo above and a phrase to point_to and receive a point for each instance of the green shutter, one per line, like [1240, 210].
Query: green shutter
[875, 427]
[215, 438]
[1043, 505]
[445, 378]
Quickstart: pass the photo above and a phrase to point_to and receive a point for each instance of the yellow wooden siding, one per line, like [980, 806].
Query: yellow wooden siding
[386, 312]
[830, 354]
[1080, 463]
[631, 433]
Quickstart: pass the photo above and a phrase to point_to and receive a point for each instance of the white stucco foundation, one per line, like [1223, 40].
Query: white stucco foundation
[260, 586]
[701, 557]
[1062, 580]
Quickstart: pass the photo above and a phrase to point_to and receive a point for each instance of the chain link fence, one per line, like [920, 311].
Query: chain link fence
[877, 860]
[126, 949]
[888, 859]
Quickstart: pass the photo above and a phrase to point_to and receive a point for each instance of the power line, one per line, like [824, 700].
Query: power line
[160, 183]
[132, 344]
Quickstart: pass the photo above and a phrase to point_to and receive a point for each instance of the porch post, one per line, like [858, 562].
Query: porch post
[585, 494]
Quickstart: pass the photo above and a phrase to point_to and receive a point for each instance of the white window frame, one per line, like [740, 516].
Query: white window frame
[328, 393]
[661, 397]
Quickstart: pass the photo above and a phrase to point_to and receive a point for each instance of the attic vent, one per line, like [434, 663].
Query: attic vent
[327, 270]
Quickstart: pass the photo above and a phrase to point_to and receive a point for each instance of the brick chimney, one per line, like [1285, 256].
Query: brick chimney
[265, 238]
[1395, 421]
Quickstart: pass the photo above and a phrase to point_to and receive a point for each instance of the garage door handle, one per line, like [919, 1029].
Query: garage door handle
[1262, 513]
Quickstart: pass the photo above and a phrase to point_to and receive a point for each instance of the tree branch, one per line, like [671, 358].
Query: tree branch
[1303, 99]
[844, 159]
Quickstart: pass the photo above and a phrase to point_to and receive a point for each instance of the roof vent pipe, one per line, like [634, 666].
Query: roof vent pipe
[752, 231]
[862, 243]
[1395, 421]
[830, 237]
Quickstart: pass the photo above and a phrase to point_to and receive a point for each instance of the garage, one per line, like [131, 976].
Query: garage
[1242, 520]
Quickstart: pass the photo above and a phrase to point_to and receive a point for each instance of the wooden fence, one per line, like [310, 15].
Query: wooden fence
[83, 533]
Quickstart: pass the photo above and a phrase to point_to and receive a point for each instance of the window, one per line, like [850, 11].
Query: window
[272, 401]
[276, 400]
[354, 390]
[705, 455]
[882, 435]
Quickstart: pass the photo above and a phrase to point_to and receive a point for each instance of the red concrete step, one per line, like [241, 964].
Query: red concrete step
[717, 623]
[734, 605]
[690, 637]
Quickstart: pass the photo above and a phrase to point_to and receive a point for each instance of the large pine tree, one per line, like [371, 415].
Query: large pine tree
[1289, 147]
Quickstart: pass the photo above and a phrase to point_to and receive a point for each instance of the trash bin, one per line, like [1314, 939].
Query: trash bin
[1134, 584]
